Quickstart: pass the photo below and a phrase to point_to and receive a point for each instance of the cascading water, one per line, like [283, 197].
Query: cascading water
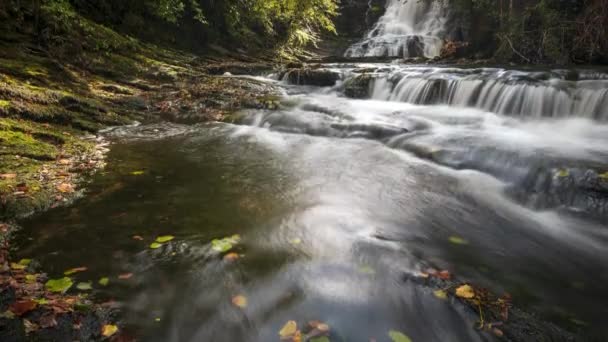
[410, 28]
[554, 93]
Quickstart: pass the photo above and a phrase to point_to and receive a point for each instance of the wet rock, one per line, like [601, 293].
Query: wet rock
[578, 189]
[358, 87]
[311, 76]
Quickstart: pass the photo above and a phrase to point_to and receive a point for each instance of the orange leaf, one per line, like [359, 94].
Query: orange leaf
[22, 307]
[445, 275]
[65, 188]
[125, 276]
[240, 301]
[465, 291]
[231, 257]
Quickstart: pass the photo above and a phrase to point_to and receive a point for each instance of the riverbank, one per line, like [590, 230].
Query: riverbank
[50, 112]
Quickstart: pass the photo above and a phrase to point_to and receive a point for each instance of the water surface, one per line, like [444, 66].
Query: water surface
[336, 200]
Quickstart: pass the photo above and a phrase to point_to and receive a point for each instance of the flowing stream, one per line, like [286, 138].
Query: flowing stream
[340, 200]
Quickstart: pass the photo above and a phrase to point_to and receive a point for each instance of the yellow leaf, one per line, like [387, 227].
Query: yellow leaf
[563, 173]
[604, 176]
[240, 301]
[137, 173]
[465, 291]
[441, 294]
[108, 330]
[288, 330]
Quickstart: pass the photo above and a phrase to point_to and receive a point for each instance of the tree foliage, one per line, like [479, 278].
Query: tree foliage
[533, 31]
[285, 25]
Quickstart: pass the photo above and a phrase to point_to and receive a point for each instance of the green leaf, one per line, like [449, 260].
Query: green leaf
[165, 238]
[75, 270]
[225, 244]
[30, 278]
[155, 245]
[457, 240]
[59, 285]
[85, 286]
[104, 281]
[398, 336]
[367, 270]
[25, 262]
[441, 294]
[320, 339]
[41, 301]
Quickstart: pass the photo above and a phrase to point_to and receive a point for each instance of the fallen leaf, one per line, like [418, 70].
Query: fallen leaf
[240, 301]
[104, 281]
[225, 244]
[30, 278]
[604, 176]
[497, 332]
[157, 319]
[397, 336]
[20, 308]
[59, 285]
[155, 245]
[8, 176]
[366, 270]
[562, 173]
[108, 330]
[165, 238]
[65, 188]
[25, 262]
[85, 286]
[296, 241]
[457, 240]
[29, 326]
[231, 257]
[445, 275]
[16, 266]
[7, 314]
[48, 321]
[320, 339]
[137, 173]
[64, 161]
[125, 276]
[138, 238]
[41, 301]
[441, 294]
[465, 291]
[288, 330]
[75, 270]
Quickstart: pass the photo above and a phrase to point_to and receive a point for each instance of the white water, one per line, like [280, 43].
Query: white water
[406, 27]
[556, 93]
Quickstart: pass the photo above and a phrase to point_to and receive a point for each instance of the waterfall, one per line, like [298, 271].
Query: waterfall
[409, 28]
[555, 94]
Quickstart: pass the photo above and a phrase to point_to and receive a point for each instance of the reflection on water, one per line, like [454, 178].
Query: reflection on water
[335, 200]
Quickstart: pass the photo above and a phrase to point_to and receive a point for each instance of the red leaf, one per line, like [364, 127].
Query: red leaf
[22, 307]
